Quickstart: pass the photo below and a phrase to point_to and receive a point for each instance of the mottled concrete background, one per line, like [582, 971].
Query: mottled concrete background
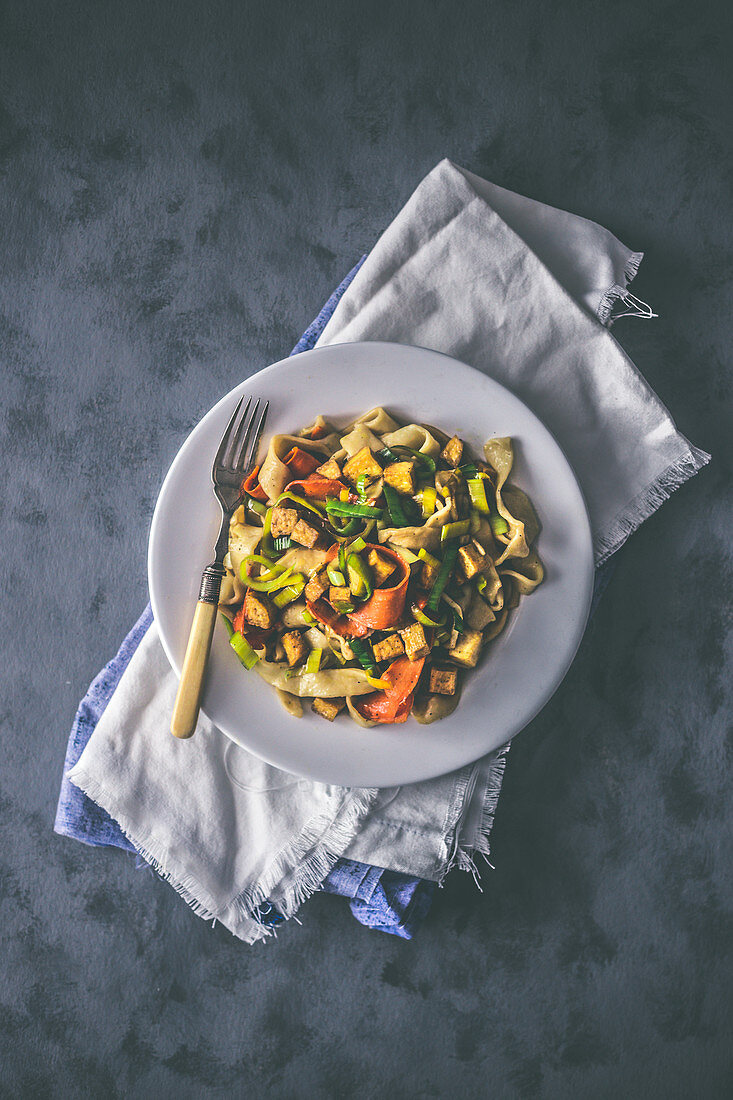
[181, 185]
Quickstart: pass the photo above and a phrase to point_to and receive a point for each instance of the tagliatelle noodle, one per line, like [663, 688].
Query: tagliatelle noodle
[526, 573]
[292, 703]
[274, 474]
[327, 684]
[416, 437]
[301, 560]
[378, 420]
[357, 439]
[500, 454]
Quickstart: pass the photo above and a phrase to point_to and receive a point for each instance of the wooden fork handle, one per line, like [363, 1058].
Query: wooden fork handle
[193, 674]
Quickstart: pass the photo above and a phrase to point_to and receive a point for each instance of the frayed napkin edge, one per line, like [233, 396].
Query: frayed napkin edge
[649, 500]
[301, 866]
[481, 845]
[296, 872]
[618, 291]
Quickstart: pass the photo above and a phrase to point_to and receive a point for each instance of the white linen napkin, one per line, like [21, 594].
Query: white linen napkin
[520, 291]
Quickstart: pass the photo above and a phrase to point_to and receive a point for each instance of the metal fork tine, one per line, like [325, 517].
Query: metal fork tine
[242, 434]
[228, 433]
[254, 441]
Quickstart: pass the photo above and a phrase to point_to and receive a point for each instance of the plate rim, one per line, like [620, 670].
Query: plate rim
[586, 583]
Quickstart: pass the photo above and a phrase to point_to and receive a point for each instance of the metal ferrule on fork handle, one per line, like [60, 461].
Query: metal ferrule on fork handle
[211, 583]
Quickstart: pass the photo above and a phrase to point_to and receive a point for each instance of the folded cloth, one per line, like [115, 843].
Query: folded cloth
[396, 905]
[520, 291]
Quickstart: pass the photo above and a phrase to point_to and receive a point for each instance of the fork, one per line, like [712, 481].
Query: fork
[234, 458]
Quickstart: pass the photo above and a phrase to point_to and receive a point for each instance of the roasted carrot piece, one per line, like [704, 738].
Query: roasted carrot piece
[316, 487]
[394, 703]
[301, 462]
[252, 487]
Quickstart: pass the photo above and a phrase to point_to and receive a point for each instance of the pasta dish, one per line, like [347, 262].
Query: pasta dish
[369, 567]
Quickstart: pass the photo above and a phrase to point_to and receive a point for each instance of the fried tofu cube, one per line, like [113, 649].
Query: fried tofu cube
[472, 559]
[430, 570]
[295, 646]
[338, 595]
[443, 680]
[316, 587]
[328, 708]
[401, 476]
[452, 453]
[381, 568]
[283, 521]
[467, 649]
[305, 533]
[388, 649]
[363, 462]
[415, 642]
[330, 469]
[258, 611]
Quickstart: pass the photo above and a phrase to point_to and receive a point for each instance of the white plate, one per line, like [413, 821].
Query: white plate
[519, 671]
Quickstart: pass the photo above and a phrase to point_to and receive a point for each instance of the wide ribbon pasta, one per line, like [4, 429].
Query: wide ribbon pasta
[274, 474]
[500, 454]
[414, 436]
[317, 594]
[329, 684]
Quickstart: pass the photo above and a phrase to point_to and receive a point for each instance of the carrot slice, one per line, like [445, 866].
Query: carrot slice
[317, 432]
[339, 624]
[394, 703]
[316, 487]
[252, 487]
[301, 462]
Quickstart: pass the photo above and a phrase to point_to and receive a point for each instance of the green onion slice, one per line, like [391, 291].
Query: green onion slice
[360, 577]
[477, 493]
[425, 620]
[291, 593]
[243, 650]
[345, 529]
[455, 530]
[313, 661]
[363, 653]
[343, 508]
[394, 507]
[335, 576]
[498, 524]
[427, 558]
[446, 568]
[301, 501]
[429, 498]
[379, 684]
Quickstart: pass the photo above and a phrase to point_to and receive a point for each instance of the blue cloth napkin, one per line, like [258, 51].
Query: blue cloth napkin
[380, 899]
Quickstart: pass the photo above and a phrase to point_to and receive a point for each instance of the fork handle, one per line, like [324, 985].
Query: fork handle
[191, 686]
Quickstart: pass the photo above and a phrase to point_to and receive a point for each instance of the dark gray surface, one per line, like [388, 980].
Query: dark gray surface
[181, 185]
